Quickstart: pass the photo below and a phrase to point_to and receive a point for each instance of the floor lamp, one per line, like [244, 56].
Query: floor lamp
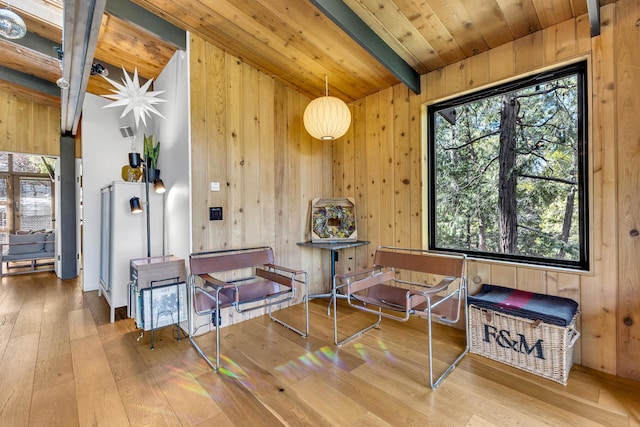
[135, 161]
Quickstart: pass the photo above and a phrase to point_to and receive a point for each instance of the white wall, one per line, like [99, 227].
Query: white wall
[105, 152]
[174, 159]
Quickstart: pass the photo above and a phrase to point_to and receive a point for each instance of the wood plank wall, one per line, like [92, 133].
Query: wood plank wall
[627, 133]
[247, 134]
[379, 163]
[28, 125]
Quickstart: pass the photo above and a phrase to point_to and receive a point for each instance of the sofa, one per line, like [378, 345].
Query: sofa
[27, 253]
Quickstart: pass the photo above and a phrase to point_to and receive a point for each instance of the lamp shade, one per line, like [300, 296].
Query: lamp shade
[135, 160]
[158, 186]
[135, 205]
[327, 118]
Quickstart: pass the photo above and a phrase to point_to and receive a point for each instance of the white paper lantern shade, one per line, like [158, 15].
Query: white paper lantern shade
[327, 118]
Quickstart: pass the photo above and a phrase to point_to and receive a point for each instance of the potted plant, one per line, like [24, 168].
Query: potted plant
[151, 153]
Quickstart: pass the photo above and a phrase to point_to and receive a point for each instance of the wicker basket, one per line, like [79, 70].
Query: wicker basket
[533, 346]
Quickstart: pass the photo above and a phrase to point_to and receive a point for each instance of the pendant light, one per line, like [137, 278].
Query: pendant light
[327, 117]
[133, 97]
[11, 25]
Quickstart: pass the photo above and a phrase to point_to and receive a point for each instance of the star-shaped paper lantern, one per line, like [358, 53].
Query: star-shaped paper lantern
[134, 97]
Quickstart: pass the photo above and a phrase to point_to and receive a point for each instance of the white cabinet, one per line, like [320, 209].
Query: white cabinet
[123, 237]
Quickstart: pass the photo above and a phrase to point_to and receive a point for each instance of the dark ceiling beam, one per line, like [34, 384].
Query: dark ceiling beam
[31, 82]
[593, 6]
[128, 11]
[356, 28]
[39, 44]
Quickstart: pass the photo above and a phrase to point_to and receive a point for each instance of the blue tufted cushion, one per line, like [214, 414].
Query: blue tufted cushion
[550, 309]
[50, 242]
[31, 243]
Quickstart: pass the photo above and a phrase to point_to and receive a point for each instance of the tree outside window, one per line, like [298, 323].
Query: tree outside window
[507, 171]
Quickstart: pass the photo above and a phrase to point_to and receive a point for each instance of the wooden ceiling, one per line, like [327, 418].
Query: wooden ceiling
[293, 41]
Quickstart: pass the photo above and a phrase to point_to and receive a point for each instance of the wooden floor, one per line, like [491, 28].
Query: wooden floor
[63, 364]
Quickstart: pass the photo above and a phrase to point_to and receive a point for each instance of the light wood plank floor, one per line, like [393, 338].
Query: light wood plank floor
[63, 364]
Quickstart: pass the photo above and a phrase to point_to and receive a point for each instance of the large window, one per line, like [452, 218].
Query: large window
[507, 171]
[26, 194]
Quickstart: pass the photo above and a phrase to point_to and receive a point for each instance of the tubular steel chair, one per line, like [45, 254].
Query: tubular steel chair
[246, 279]
[383, 290]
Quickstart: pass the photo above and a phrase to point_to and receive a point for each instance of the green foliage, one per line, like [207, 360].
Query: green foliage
[151, 151]
[28, 163]
[467, 166]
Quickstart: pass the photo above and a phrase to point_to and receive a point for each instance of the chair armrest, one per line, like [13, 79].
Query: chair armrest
[215, 283]
[276, 277]
[285, 269]
[418, 297]
[369, 281]
[346, 276]
[219, 298]
[441, 286]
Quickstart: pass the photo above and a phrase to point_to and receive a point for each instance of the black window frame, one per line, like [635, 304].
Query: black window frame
[580, 70]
